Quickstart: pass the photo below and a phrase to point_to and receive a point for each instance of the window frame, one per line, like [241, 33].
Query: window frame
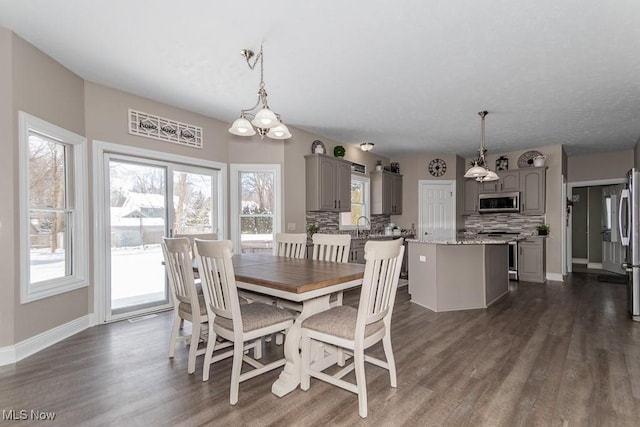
[367, 204]
[76, 175]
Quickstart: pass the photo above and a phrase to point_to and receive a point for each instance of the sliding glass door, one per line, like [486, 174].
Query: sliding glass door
[148, 200]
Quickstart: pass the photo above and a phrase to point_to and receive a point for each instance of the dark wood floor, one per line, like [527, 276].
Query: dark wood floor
[551, 355]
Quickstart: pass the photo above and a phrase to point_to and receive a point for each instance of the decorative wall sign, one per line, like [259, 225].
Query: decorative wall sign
[150, 126]
[357, 167]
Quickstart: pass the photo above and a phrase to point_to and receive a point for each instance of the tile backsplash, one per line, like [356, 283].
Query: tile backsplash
[503, 221]
[329, 222]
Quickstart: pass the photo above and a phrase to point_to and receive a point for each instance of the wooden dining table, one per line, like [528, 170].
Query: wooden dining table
[305, 281]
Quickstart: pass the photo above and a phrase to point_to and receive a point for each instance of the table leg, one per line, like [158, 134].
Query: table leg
[289, 378]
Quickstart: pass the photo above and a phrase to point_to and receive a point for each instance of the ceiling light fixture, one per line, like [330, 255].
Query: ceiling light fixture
[265, 121]
[367, 146]
[480, 171]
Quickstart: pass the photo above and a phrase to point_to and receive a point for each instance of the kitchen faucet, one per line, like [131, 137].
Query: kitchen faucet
[358, 224]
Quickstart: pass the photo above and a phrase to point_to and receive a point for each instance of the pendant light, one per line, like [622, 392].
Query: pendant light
[265, 122]
[479, 170]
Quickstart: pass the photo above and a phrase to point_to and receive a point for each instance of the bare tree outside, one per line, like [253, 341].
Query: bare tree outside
[257, 211]
[48, 208]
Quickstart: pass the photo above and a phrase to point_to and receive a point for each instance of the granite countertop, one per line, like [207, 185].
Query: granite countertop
[471, 240]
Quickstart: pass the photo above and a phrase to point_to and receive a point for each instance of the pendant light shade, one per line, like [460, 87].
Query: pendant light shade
[490, 176]
[279, 132]
[265, 119]
[242, 127]
[475, 172]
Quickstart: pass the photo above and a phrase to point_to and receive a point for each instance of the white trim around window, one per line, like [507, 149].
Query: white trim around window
[76, 228]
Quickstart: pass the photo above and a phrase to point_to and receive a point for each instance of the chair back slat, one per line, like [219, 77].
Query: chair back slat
[218, 278]
[179, 266]
[290, 245]
[380, 282]
[331, 247]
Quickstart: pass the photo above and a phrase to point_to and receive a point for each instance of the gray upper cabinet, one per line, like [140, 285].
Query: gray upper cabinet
[470, 196]
[532, 187]
[328, 183]
[509, 181]
[386, 193]
[530, 182]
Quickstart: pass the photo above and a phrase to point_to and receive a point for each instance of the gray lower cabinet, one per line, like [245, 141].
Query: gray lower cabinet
[328, 183]
[356, 252]
[386, 193]
[531, 260]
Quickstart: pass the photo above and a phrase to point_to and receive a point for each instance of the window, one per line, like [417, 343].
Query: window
[53, 209]
[360, 205]
[255, 204]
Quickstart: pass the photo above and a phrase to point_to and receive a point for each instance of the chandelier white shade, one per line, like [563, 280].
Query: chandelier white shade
[367, 146]
[242, 127]
[264, 122]
[479, 171]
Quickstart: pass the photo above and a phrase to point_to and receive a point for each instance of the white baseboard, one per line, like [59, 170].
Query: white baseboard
[594, 265]
[30, 346]
[555, 277]
[579, 260]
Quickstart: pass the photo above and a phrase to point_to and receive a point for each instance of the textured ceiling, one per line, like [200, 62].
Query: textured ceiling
[408, 75]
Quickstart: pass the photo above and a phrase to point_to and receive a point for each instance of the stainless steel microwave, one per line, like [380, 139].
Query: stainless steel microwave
[499, 202]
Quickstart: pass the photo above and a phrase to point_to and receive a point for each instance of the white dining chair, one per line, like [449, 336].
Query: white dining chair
[241, 324]
[355, 330]
[188, 304]
[192, 236]
[292, 245]
[334, 248]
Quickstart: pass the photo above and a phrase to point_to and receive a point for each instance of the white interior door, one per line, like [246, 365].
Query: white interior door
[437, 209]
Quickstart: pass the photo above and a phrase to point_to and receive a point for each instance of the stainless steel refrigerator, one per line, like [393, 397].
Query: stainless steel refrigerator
[628, 224]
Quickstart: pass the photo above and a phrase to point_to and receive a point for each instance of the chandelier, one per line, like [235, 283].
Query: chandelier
[480, 171]
[264, 121]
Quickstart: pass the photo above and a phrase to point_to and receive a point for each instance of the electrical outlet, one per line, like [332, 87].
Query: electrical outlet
[423, 258]
[291, 226]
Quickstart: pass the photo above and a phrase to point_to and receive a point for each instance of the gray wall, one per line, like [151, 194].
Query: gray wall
[614, 164]
[45, 89]
[586, 227]
[579, 213]
[595, 224]
[8, 160]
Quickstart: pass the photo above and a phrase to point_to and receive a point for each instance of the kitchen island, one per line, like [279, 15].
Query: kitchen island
[458, 274]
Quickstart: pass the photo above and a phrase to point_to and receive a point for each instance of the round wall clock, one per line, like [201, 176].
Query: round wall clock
[437, 167]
